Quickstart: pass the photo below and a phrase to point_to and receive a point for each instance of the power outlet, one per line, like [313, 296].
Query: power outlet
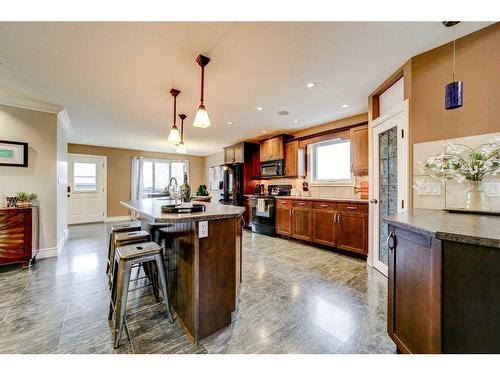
[203, 229]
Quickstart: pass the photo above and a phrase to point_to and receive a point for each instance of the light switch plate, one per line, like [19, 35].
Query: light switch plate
[429, 188]
[203, 229]
[492, 188]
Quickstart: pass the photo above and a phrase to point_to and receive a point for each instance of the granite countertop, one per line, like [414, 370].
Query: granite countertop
[468, 228]
[326, 199]
[151, 209]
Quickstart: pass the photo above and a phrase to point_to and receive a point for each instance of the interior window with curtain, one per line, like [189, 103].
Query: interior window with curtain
[157, 173]
[330, 162]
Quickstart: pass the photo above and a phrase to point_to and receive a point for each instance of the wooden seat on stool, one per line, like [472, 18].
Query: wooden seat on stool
[125, 258]
[126, 238]
[130, 226]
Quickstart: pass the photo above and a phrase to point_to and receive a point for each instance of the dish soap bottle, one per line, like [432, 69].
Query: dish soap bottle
[185, 190]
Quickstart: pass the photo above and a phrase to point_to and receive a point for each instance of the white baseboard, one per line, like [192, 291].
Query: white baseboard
[47, 253]
[62, 241]
[116, 218]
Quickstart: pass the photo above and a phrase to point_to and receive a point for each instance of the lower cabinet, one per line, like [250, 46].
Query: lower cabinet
[340, 225]
[352, 232]
[301, 215]
[284, 221]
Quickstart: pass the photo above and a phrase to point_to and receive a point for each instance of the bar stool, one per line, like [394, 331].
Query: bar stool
[125, 258]
[130, 226]
[125, 238]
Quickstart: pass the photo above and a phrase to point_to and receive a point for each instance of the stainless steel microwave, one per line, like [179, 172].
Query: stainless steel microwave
[272, 168]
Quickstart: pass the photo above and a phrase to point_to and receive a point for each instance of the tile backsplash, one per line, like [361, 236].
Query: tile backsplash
[433, 193]
[318, 191]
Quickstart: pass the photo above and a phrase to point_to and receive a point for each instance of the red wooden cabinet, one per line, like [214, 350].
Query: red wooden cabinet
[18, 235]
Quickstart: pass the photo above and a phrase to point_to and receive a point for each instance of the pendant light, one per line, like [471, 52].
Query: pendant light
[181, 147]
[174, 136]
[453, 91]
[201, 119]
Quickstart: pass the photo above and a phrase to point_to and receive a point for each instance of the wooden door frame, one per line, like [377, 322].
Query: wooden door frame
[403, 175]
[104, 182]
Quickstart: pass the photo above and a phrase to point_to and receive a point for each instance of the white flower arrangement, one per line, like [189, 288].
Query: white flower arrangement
[462, 162]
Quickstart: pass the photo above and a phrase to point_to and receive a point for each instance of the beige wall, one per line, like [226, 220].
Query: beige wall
[119, 165]
[39, 129]
[478, 66]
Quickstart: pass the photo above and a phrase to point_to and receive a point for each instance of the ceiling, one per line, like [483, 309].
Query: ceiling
[114, 78]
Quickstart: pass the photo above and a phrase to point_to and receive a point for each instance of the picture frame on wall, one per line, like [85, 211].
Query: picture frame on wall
[13, 154]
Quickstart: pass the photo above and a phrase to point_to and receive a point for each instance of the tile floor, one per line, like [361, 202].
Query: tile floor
[295, 299]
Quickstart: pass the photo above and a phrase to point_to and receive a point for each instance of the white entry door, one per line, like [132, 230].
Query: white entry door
[86, 188]
[389, 178]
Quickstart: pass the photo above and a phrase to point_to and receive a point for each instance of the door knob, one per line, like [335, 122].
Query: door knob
[373, 201]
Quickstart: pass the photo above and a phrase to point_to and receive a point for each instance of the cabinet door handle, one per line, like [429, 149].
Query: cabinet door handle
[302, 204]
[338, 218]
[352, 207]
[323, 205]
[291, 213]
[391, 242]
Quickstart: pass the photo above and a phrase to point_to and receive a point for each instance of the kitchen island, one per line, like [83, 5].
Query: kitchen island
[203, 267]
[444, 284]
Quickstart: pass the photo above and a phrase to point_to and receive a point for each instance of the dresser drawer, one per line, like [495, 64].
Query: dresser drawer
[283, 203]
[353, 207]
[332, 206]
[302, 204]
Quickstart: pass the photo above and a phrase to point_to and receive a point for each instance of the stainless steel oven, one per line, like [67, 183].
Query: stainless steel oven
[272, 168]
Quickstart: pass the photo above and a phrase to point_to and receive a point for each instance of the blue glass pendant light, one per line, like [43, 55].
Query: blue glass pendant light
[454, 91]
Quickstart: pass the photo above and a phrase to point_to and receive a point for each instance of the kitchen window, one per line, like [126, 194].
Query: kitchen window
[157, 173]
[330, 162]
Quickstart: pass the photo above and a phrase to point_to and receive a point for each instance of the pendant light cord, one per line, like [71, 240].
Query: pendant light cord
[175, 110]
[454, 40]
[202, 83]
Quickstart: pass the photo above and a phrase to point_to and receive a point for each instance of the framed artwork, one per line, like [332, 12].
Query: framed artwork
[13, 154]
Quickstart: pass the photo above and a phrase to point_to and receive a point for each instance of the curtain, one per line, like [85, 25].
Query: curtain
[137, 180]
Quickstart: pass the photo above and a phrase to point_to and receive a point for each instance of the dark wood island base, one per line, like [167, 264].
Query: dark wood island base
[203, 270]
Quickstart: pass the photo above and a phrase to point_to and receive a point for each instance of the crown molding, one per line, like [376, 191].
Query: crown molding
[31, 104]
[63, 119]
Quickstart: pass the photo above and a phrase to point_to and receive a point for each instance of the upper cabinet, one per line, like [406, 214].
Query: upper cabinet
[294, 160]
[272, 149]
[234, 153]
[359, 150]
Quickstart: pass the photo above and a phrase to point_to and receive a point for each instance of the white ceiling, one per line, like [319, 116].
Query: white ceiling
[114, 78]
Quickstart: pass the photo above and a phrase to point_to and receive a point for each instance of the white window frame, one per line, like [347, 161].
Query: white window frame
[312, 162]
[169, 161]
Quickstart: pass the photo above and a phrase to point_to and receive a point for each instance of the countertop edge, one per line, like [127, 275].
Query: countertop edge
[183, 218]
[321, 199]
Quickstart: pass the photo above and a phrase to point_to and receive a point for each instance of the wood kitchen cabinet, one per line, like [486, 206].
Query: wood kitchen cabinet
[359, 150]
[294, 160]
[247, 215]
[352, 232]
[234, 153]
[336, 224]
[301, 216]
[284, 224]
[272, 149]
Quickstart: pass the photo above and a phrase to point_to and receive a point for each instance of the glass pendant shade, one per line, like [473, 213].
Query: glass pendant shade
[174, 136]
[454, 95]
[201, 119]
[181, 148]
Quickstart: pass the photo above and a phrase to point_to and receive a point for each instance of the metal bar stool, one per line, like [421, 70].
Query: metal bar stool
[130, 226]
[125, 258]
[125, 238]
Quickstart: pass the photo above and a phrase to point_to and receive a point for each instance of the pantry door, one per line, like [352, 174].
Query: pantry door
[389, 179]
[86, 188]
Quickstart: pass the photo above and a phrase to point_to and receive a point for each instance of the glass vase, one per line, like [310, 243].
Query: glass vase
[476, 197]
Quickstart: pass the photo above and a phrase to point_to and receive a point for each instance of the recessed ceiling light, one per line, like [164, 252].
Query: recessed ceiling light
[296, 121]
[230, 123]
[264, 131]
[83, 140]
[259, 108]
[283, 113]
[345, 105]
[310, 85]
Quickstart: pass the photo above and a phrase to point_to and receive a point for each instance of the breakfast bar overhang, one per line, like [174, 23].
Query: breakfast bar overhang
[203, 270]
